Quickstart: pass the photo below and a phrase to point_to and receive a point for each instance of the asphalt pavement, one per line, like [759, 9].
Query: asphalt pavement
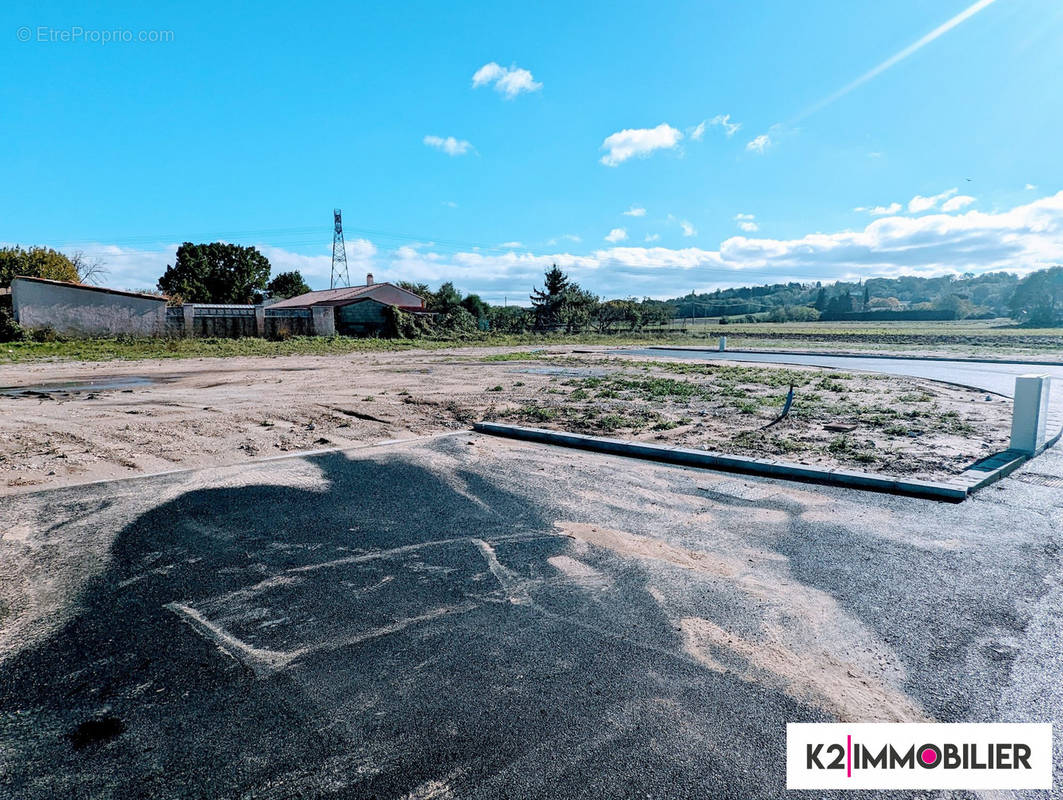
[473, 617]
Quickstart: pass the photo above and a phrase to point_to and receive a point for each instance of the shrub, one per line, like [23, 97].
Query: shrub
[10, 331]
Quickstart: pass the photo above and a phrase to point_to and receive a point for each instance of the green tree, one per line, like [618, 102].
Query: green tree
[36, 262]
[475, 306]
[509, 319]
[655, 313]
[216, 273]
[287, 284]
[842, 304]
[446, 300]
[547, 302]
[1038, 299]
[957, 304]
[614, 314]
[577, 308]
[821, 300]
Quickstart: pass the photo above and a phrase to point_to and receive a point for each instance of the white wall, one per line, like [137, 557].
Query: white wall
[85, 311]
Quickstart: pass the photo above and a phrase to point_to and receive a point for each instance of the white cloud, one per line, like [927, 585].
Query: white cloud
[958, 202]
[512, 244]
[635, 211]
[919, 204]
[759, 144]
[719, 121]
[640, 142]
[1025, 238]
[1022, 239]
[449, 145]
[880, 211]
[746, 223]
[724, 121]
[616, 235]
[688, 229]
[652, 237]
[508, 81]
[1030, 187]
[450, 204]
[571, 237]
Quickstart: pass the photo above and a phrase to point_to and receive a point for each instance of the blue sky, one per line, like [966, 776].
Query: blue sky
[252, 121]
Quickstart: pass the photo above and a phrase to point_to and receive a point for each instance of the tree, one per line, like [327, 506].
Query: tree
[842, 304]
[867, 296]
[577, 307]
[547, 302]
[614, 313]
[509, 319]
[475, 306]
[957, 304]
[89, 270]
[821, 300]
[216, 273]
[447, 300]
[287, 284]
[36, 262]
[1038, 299]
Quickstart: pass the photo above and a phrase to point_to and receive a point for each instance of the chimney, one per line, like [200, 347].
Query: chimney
[369, 279]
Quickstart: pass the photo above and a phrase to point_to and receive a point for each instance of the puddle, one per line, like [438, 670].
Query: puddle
[58, 389]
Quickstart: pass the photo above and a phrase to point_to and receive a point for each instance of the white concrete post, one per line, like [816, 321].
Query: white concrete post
[324, 320]
[1029, 416]
[189, 311]
[723, 343]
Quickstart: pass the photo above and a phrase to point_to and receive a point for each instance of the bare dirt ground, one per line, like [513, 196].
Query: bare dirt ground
[154, 416]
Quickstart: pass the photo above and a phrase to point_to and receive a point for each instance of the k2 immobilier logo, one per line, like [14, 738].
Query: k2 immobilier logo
[919, 756]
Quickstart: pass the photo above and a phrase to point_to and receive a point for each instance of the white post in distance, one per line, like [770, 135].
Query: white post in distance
[723, 343]
[1029, 416]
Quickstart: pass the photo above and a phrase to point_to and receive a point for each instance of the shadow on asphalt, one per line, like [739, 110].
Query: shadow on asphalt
[270, 641]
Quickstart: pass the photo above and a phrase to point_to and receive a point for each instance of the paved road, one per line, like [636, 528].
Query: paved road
[473, 617]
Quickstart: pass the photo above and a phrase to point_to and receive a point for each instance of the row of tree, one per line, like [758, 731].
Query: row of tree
[227, 273]
[969, 295]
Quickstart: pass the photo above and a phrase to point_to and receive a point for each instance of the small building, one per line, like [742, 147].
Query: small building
[75, 309]
[358, 310]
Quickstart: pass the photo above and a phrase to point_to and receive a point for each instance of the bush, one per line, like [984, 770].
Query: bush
[793, 314]
[45, 334]
[10, 331]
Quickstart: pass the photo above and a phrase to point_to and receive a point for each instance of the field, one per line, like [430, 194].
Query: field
[152, 416]
[981, 338]
[996, 338]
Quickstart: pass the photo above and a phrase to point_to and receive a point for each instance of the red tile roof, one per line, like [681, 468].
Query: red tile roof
[333, 297]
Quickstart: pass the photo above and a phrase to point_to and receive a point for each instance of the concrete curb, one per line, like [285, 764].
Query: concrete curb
[953, 490]
[851, 354]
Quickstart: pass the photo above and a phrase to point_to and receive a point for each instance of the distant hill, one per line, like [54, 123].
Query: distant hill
[969, 296]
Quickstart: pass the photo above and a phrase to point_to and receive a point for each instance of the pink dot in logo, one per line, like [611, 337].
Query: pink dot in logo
[927, 755]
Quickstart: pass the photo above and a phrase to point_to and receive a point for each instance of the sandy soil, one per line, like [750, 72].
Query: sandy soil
[164, 415]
